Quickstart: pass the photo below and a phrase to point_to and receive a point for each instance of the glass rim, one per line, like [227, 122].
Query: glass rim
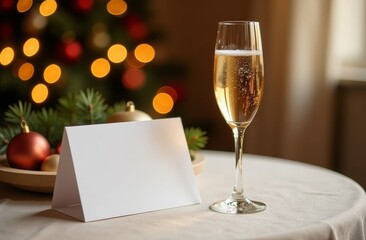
[237, 22]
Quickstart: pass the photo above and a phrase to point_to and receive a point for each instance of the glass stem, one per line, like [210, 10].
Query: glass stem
[238, 192]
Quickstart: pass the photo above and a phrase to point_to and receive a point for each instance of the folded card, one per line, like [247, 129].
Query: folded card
[118, 169]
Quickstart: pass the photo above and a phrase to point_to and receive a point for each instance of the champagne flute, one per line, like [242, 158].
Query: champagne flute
[238, 85]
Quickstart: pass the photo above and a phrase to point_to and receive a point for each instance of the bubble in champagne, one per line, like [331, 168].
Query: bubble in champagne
[241, 74]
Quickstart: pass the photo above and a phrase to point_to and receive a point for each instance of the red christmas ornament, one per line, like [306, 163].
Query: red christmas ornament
[27, 150]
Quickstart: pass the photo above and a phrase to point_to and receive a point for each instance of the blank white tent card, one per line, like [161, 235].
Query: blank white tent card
[118, 169]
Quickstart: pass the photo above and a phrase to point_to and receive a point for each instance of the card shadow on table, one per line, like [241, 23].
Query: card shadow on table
[53, 214]
[9, 192]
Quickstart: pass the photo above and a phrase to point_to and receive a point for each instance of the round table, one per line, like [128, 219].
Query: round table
[303, 202]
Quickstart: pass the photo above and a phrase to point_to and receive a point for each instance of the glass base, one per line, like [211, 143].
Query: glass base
[238, 206]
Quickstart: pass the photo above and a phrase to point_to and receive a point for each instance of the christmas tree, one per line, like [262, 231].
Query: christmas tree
[50, 48]
[76, 62]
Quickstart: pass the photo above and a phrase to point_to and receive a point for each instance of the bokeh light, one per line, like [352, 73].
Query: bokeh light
[38, 21]
[52, 73]
[48, 7]
[137, 28]
[100, 67]
[73, 50]
[132, 62]
[26, 71]
[117, 53]
[163, 103]
[24, 5]
[39, 93]
[6, 56]
[133, 79]
[144, 53]
[84, 5]
[116, 7]
[169, 90]
[33, 23]
[6, 4]
[101, 38]
[31, 47]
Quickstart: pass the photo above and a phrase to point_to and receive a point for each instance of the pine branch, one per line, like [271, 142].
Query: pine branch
[67, 109]
[48, 124]
[19, 112]
[117, 107]
[90, 107]
[6, 134]
[196, 138]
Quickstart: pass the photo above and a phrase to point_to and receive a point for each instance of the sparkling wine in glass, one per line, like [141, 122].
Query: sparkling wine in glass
[238, 85]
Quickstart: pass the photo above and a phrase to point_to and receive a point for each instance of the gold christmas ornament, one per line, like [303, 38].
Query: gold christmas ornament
[50, 164]
[129, 114]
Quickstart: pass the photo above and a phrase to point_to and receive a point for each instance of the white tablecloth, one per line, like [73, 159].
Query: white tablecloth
[303, 202]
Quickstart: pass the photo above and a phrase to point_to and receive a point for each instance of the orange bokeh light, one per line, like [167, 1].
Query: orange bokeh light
[144, 53]
[31, 47]
[24, 5]
[163, 103]
[26, 71]
[39, 93]
[52, 73]
[7, 56]
[117, 53]
[100, 68]
[48, 7]
[116, 7]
